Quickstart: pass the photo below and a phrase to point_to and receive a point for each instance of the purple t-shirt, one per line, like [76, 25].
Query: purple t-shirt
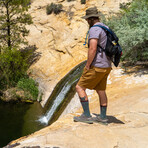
[100, 60]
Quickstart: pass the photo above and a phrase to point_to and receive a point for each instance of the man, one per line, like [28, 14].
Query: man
[96, 71]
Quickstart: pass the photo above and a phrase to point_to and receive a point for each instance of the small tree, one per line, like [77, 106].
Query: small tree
[13, 18]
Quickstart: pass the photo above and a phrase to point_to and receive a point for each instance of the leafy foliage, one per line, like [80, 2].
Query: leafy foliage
[12, 67]
[131, 27]
[15, 63]
[13, 18]
[28, 85]
[54, 8]
[124, 6]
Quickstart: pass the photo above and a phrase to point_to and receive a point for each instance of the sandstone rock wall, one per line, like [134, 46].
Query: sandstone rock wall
[60, 38]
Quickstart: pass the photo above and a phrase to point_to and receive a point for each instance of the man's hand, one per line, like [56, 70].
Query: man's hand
[87, 67]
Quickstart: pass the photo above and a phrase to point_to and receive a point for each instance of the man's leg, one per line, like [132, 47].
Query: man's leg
[103, 104]
[84, 100]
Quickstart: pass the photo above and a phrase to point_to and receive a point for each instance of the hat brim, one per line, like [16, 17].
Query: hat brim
[88, 16]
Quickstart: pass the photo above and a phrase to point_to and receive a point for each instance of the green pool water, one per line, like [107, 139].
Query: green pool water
[17, 120]
[20, 119]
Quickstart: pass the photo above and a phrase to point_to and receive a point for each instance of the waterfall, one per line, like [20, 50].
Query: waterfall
[61, 95]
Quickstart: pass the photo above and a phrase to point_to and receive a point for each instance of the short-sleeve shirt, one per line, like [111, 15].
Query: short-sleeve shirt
[100, 60]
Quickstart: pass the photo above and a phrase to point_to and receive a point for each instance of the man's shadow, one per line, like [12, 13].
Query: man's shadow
[111, 119]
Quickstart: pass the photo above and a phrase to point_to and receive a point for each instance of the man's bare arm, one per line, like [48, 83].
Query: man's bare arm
[91, 52]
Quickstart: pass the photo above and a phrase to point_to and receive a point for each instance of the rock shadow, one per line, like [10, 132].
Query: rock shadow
[30, 54]
[139, 69]
[111, 119]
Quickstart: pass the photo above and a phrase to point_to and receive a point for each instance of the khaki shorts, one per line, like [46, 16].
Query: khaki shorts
[94, 78]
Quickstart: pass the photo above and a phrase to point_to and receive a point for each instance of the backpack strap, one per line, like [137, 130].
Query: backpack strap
[105, 29]
[86, 38]
[108, 30]
[102, 49]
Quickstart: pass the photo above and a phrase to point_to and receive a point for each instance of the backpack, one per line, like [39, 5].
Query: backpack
[113, 50]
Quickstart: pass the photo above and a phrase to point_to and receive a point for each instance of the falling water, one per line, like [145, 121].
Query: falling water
[62, 94]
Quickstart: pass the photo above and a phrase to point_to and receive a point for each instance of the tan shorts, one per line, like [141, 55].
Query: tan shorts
[94, 78]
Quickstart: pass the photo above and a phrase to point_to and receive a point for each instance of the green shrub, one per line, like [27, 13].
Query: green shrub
[12, 67]
[131, 27]
[29, 86]
[49, 8]
[83, 1]
[58, 9]
[54, 8]
[124, 6]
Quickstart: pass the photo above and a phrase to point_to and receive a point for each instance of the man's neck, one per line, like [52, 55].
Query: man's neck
[91, 23]
[96, 22]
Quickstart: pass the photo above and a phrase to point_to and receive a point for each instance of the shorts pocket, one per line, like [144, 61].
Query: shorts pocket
[89, 73]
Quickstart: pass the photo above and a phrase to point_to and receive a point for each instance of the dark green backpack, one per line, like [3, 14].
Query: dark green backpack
[113, 50]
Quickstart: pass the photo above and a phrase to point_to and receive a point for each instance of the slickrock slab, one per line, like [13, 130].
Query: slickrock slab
[127, 114]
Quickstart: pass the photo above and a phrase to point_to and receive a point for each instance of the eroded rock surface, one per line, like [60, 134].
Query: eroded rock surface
[60, 38]
[127, 114]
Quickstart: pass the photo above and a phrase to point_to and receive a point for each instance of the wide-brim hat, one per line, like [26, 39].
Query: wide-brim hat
[91, 12]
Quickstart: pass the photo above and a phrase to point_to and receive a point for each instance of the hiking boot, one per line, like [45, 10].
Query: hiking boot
[103, 120]
[84, 119]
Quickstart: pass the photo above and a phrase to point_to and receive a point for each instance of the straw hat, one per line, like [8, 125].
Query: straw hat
[91, 12]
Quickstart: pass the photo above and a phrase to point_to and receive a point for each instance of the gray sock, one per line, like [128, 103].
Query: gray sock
[85, 105]
[103, 111]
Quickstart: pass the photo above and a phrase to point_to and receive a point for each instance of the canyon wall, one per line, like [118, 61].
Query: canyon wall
[59, 38]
